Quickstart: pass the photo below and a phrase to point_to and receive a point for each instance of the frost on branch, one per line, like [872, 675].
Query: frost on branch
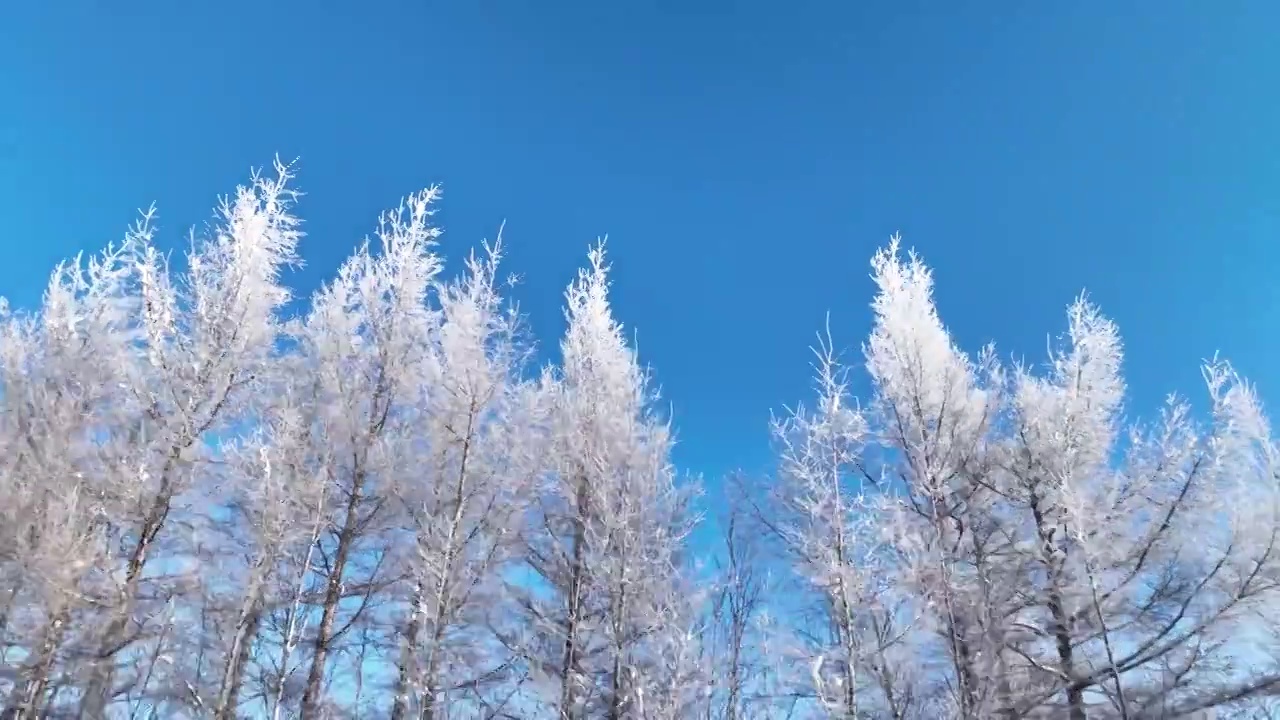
[214, 508]
[607, 616]
[1041, 558]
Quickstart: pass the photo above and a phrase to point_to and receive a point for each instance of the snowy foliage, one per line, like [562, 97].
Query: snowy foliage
[377, 506]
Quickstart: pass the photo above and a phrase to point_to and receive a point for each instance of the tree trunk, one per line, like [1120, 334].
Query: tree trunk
[577, 574]
[443, 594]
[286, 651]
[238, 658]
[27, 706]
[93, 704]
[616, 690]
[1057, 611]
[332, 596]
[430, 682]
[404, 677]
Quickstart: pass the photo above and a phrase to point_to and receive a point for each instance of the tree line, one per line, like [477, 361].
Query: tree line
[380, 506]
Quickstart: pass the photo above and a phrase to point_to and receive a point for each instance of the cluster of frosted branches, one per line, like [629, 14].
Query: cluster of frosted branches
[990, 542]
[215, 507]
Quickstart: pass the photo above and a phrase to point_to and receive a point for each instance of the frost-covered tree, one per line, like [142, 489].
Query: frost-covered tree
[829, 531]
[146, 365]
[606, 619]
[1156, 548]
[480, 436]
[209, 335]
[1043, 558]
[932, 412]
[62, 370]
[274, 514]
[741, 591]
[367, 341]
[372, 508]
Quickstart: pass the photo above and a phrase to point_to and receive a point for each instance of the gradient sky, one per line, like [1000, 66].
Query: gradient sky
[744, 158]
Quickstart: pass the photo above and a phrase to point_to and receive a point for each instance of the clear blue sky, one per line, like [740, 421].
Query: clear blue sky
[745, 160]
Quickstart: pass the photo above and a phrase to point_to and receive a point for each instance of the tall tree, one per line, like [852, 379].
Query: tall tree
[740, 600]
[367, 339]
[210, 511]
[173, 357]
[274, 510]
[1059, 563]
[603, 608]
[62, 370]
[828, 529]
[480, 433]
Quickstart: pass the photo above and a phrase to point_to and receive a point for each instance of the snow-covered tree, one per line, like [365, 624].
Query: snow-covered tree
[830, 533]
[62, 370]
[479, 432]
[373, 508]
[606, 618]
[274, 512]
[1056, 561]
[146, 365]
[742, 587]
[367, 341]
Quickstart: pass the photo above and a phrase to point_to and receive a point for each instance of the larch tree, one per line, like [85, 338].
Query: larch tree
[209, 335]
[932, 411]
[480, 437]
[742, 589]
[273, 508]
[605, 623]
[62, 369]
[829, 532]
[367, 341]
[1155, 566]
[1061, 562]
[166, 360]
[373, 508]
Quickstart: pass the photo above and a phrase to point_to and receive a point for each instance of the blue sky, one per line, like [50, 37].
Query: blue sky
[744, 158]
